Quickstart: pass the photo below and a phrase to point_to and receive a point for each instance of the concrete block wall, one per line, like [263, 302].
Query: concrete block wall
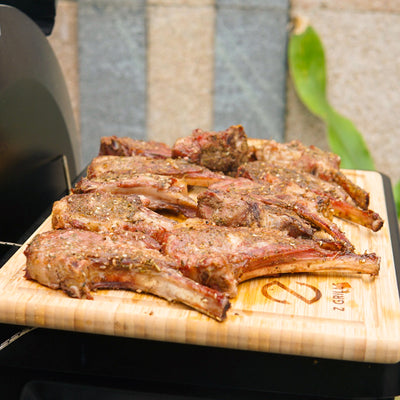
[180, 67]
[250, 66]
[112, 49]
[160, 68]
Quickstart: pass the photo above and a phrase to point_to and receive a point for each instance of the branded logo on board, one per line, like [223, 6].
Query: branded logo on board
[339, 291]
[266, 291]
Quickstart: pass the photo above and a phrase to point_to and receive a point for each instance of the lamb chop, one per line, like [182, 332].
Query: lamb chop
[126, 146]
[79, 261]
[219, 151]
[235, 209]
[106, 212]
[303, 183]
[221, 257]
[314, 209]
[192, 174]
[311, 159]
[161, 192]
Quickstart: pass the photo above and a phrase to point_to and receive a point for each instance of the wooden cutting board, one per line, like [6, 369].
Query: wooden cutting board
[339, 316]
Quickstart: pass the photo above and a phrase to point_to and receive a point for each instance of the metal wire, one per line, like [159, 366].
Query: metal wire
[11, 244]
[15, 337]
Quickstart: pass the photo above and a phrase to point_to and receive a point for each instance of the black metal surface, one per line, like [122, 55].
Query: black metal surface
[27, 193]
[36, 118]
[166, 368]
[393, 224]
[37, 125]
[42, 12]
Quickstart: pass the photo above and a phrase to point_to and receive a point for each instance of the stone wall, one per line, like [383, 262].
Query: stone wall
[160, 68]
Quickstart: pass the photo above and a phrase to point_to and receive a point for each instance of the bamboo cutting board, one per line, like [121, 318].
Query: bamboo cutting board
[339, 316]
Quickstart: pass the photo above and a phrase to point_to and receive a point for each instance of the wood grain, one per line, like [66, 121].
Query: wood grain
[339, 316]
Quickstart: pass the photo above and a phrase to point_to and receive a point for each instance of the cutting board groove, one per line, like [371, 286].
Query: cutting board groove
[339, 316]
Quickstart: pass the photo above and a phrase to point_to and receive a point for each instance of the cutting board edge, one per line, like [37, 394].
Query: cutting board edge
[360, 347]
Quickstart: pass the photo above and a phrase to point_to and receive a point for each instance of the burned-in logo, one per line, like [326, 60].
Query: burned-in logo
[339, 290]
[266, 291]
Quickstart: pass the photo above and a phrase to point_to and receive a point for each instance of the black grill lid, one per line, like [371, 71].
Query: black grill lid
[37, 126]
[42, 12]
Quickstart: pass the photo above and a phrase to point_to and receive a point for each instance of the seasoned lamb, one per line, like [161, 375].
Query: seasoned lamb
[314, 209]
[79, 261]
[325, 165]
[305, 183]
[221, 257]
[106, 212]
[234, 209]
[219, 151]
[126, 146]
[161, 192]
[264, 209]
[113, 166]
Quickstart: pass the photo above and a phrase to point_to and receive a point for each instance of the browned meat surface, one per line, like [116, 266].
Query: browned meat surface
[125, 146]
[313, 209]
[161, 192]
[265, 172]
[78, 261]
[325, 165]
[106, 212]
[303, 183]
[112, 166]
[221, 257]
[295, 154]
[234, 209]
[267, 209]
[219, 151]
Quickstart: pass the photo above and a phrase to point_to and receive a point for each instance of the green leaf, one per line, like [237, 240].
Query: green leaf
[396, 192]
[344, 139]
[307, 68]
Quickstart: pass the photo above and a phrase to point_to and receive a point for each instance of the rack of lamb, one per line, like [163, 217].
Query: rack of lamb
[189, 223]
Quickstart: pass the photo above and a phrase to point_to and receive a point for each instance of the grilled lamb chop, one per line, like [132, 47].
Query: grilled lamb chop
[78, 261]
[303, 183]
[311, 159]
[219, 151]
[222, 257]
[162, 192]
[106, 212]
[314, 209]
[125, 146]
[115, 166]
[234, 209]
